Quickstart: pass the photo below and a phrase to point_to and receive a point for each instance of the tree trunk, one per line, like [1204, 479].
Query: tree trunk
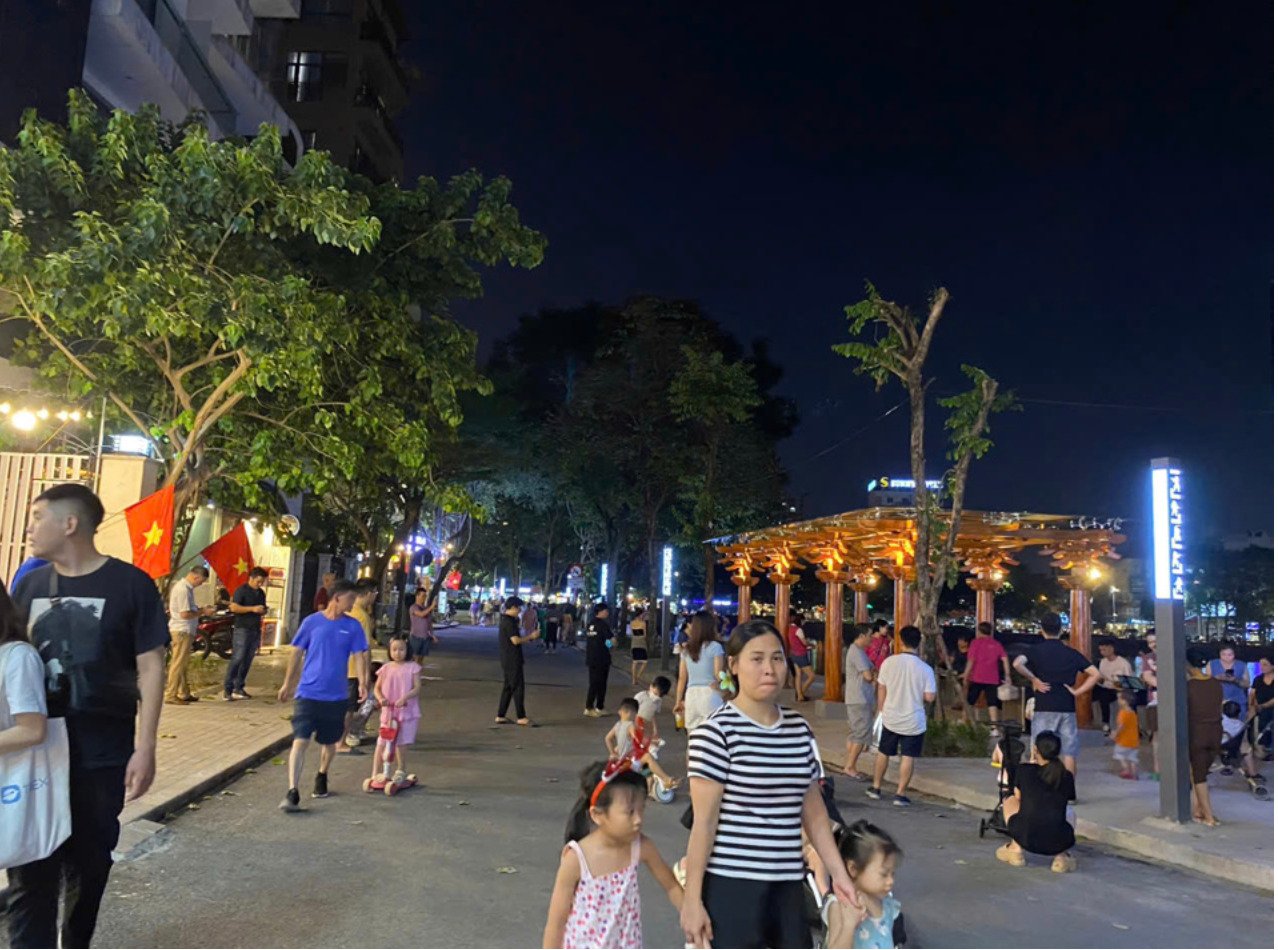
[711, 560]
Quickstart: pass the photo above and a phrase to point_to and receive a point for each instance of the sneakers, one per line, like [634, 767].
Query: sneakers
[874, 793]
[321, 786]
[228, 698]
[240, 694]
[292, 801]
[587, 712]
[1105, 730]
[1064, 863]
[900, 801]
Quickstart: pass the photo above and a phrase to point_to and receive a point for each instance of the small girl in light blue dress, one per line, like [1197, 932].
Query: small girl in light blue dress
[871, 857]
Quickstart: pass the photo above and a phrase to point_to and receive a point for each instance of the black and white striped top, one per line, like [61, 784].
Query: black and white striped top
[765, 771]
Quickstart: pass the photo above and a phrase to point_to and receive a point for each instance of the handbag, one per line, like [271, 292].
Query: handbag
[1008, 693]
[35, 797]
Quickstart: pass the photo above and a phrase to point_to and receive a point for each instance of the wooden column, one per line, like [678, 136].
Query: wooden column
[984, 586]
[834, 582]
[1080, 638]
[861, 607]
[985, 606]
[782, 586]
[744, 584]
[905, 607]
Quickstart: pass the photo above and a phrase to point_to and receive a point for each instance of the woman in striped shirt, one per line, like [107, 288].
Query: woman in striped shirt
[753, 769]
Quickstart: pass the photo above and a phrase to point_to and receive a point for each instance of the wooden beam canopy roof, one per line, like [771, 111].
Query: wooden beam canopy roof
[883, 539]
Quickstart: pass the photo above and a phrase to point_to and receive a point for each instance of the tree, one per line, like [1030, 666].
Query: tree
[1241, 580]
[899, 349]
[252, 319]
[716, 400]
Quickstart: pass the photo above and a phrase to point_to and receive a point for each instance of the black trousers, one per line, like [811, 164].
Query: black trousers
[77, 872]
[512, 687]
[597, 691]
[552, 634]
[1106, 699]
[745, 913]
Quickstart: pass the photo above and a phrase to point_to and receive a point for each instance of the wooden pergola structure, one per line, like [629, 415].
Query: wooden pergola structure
[854, 548]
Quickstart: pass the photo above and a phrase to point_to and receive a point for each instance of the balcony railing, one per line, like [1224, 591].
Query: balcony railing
[367, 97]
[373, 30]
[178, 41]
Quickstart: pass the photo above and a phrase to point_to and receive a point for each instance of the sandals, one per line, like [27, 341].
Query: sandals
[528, 723]
[1015, 858]
[1064, 863]
[503, 721]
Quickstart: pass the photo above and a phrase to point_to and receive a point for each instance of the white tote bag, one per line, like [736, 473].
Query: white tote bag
[35, 805]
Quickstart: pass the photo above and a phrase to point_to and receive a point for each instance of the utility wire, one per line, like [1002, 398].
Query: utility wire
[830, 448]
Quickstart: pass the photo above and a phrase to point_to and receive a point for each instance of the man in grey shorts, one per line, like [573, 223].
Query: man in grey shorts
[858, 695]
[1052, 668]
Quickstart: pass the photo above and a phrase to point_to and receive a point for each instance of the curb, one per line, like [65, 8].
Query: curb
[190, 793]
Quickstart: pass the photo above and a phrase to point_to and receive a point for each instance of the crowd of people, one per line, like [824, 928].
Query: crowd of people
[769, 862]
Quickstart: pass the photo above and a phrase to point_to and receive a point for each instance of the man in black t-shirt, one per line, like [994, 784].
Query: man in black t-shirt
[100, 628]
[598, 660]
[1056, 666]
[510, 648]
[249, 606]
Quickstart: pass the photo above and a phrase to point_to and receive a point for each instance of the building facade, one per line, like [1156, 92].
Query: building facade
[336, 69]
[182, 55]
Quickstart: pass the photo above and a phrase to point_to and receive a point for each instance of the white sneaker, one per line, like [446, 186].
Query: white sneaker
[587, 712]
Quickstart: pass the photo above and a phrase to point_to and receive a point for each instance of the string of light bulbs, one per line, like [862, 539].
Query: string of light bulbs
[25, 419]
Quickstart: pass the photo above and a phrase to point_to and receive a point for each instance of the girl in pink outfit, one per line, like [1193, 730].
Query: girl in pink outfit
[596, 898]
[398, 685]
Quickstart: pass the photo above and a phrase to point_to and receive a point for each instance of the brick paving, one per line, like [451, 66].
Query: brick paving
[200, 743]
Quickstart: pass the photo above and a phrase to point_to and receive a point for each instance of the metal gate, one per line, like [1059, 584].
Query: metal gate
[23, 476]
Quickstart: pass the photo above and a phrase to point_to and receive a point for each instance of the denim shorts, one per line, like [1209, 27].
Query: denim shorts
[1064, 724]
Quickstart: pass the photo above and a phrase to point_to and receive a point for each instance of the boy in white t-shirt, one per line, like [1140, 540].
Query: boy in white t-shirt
[905, 685]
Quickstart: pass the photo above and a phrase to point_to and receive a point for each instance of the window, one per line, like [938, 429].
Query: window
[305, 76]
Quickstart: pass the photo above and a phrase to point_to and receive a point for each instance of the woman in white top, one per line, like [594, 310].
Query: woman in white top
[701, 664]
[23, 686]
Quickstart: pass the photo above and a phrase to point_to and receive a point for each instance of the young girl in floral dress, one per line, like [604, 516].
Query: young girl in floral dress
[596, 897]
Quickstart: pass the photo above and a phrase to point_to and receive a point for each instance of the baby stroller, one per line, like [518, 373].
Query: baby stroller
[1007, 757]
[1232, 760]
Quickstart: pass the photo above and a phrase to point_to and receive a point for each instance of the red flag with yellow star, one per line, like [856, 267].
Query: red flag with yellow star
[231, 557]
[151, 532]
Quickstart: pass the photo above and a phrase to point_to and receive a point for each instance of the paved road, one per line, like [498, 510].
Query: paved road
[423, 869]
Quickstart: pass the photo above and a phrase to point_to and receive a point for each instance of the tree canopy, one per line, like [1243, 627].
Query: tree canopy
[254, 320]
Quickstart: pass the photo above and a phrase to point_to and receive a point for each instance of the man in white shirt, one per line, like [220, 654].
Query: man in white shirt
[905, 685]
[184, 623]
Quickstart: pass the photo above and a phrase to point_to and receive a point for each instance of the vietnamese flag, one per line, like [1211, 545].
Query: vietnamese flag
[151, 532]
[231, 557]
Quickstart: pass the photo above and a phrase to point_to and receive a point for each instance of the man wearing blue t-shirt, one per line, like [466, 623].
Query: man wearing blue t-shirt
[321, 648]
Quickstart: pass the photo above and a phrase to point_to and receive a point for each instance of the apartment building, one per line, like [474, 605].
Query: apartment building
[181, 55]
[336, 69]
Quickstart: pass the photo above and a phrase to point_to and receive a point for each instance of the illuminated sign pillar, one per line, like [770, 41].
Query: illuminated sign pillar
[667, 591]
[1168, 510]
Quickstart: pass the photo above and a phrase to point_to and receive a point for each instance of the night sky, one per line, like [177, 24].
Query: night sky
[1092, 182]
